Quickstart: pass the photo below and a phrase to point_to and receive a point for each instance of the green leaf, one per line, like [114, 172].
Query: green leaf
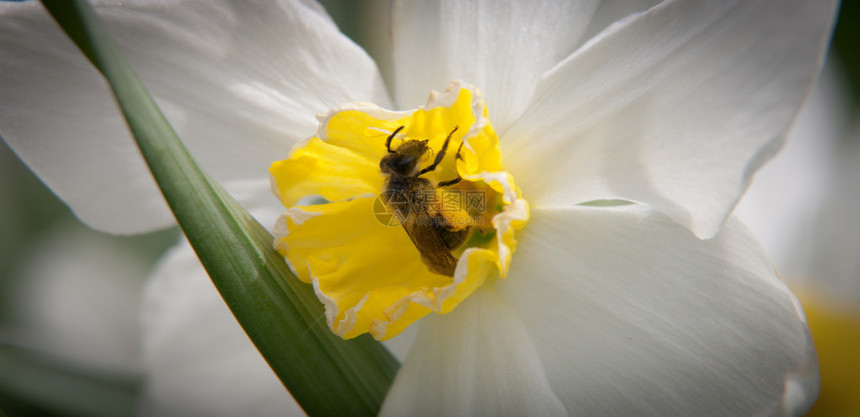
[325, 374]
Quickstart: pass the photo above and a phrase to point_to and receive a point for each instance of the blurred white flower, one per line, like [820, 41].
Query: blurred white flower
[786, 196]
[801, 206]
[78, 299]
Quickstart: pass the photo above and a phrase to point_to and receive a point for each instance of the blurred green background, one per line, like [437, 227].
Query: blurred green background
[39, 377]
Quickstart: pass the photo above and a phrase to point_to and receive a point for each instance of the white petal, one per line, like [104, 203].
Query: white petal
[633, 315]
[239, 82]
[199, 361]
[501, 47]
[675, 107]
[476, 361]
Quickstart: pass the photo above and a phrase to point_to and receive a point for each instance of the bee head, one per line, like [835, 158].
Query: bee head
[404, 160]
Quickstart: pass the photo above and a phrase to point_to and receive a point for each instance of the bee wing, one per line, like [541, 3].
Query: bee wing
[434, 251]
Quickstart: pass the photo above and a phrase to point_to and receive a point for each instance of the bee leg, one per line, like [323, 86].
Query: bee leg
[451, 182]
[455, 180]
[440, 155]
[390, 137]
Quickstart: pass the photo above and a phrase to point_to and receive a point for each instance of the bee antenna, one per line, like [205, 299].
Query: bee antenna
[390, 137]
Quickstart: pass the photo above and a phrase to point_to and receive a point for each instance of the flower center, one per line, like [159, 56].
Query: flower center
[412, 212]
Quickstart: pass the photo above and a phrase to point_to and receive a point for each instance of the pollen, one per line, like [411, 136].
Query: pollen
[412, 211]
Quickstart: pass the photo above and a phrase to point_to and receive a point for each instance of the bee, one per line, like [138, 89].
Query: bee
[411, 199]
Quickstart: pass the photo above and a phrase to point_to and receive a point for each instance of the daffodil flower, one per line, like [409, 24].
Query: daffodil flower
[630, 130]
